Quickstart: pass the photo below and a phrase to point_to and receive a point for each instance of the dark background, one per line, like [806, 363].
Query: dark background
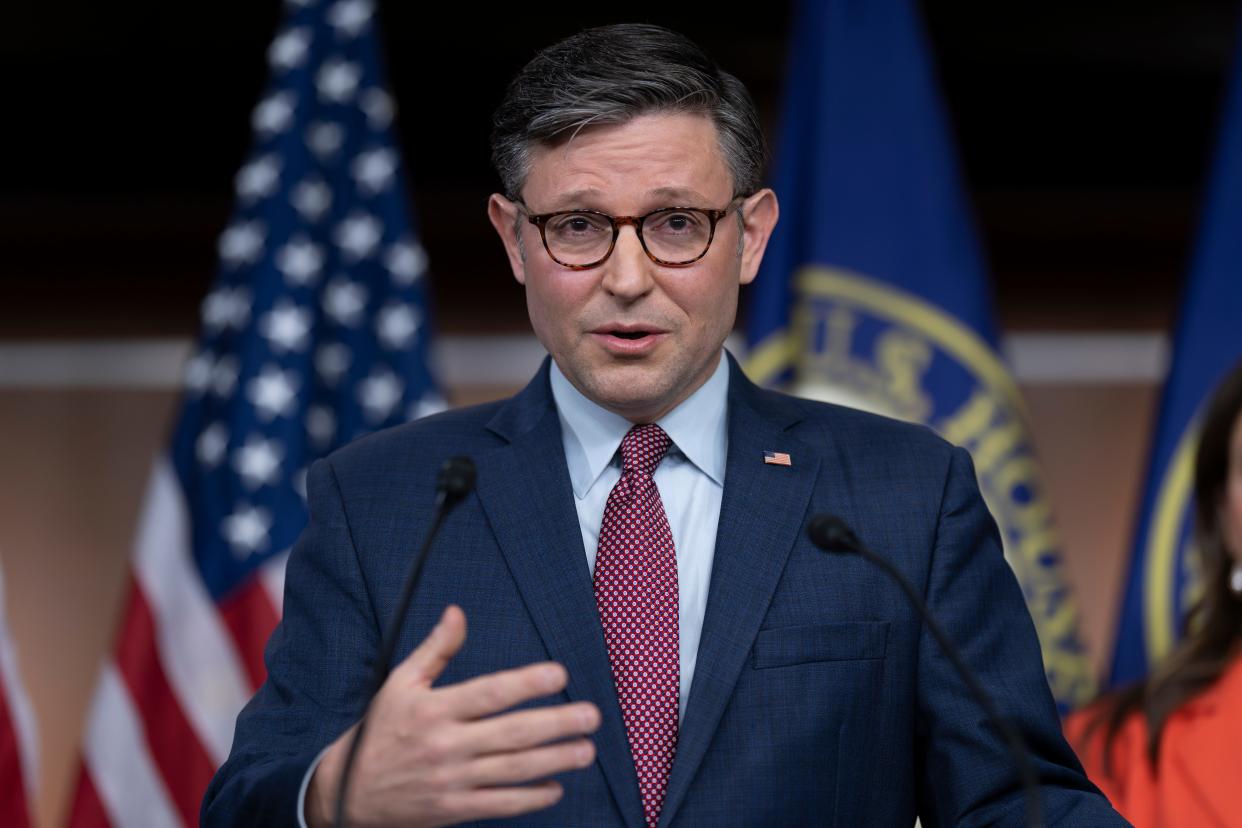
[1085, 130]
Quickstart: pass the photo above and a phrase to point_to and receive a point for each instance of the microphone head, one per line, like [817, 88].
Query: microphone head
[831, 533]
[456, 477]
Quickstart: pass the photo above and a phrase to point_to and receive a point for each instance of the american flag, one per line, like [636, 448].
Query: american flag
[315, 332]
[776, 458]
[18, 759]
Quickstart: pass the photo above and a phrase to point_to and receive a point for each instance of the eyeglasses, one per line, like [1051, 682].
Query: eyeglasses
[670, 236]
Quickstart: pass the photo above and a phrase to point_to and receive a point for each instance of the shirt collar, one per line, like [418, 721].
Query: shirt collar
[698, 428]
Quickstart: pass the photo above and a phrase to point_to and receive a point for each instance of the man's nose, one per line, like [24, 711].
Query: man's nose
[627, 272]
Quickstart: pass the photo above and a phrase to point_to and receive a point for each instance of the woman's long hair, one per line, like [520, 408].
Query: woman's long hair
[1213, 628]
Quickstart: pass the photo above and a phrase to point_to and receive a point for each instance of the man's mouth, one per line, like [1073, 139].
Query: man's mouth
[628, 340]
[627, 331]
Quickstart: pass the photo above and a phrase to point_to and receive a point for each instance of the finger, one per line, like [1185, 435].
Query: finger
[496, 803]
[528, 765]
[494, 692]
[528, 728]
[430, 657]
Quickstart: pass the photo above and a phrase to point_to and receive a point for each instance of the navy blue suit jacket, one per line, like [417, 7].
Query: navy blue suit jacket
[818, 697]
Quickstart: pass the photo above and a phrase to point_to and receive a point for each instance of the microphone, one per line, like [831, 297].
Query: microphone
[455, 481]
[832, 534]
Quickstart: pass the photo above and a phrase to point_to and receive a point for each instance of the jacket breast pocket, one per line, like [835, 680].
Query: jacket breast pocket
[840, 641]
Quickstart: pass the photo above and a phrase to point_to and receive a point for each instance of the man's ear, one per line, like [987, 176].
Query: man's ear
[759, 215]
[503, 214]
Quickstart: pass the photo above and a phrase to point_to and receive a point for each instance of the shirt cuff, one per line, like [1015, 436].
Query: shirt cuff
[306, 784]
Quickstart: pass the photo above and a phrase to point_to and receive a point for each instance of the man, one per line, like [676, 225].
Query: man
[653, 638]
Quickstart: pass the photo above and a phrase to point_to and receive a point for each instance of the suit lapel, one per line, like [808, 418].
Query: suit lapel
[761, 515]
[525, 492]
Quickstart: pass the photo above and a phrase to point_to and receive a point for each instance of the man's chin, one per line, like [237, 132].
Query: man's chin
[633, 390]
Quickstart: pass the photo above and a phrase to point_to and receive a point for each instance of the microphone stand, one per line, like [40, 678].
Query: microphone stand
[455, 482]
[831, 533]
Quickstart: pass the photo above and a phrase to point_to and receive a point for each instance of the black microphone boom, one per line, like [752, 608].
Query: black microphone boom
[832, 534]
[454, 483]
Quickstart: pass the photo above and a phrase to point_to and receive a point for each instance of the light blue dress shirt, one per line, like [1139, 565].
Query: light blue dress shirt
[690, 479]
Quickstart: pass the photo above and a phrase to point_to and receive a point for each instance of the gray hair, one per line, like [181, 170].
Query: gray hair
[610, 74]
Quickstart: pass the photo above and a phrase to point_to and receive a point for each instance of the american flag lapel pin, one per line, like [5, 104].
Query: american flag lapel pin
[776, 458]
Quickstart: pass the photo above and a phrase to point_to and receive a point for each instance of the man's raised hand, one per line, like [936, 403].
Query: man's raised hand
[452, 754]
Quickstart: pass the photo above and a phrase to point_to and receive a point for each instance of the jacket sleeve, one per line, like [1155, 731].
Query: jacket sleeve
[318, 664]
[966, 777]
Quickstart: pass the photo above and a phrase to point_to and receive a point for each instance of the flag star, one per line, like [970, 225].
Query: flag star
[325, 139]
[273, 114]
[406, 261]
[258, 461]
[344, 301]
[312, 198]
[226, 307]
[242, 243]
[224, 376]
[198, 372]
[332, 361]
[300, 260]
[349, 17]
[286, 326]
[379, 394]
[378, 107]
[259, 178]
[359, 235]
[396, 324]
[288, 50]
[273, 392]
[246, 530]
[321, 425]
[429, 403]
[211, 444]
[299, 483]
[338, 80]
[374, 169]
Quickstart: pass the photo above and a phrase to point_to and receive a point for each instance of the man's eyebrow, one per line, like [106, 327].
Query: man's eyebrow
[684, 195]
[578, 198]
[660, 197]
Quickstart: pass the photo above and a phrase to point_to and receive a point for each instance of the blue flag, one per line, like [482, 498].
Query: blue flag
[1163, 582]
[873, 292]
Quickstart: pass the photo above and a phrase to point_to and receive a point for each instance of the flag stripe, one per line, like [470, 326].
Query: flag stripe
[180, 757]
[120, 766]
[273, 577]
[195, 648]
[14, 809]
[250, 618]
[19, 770]
[87, 810]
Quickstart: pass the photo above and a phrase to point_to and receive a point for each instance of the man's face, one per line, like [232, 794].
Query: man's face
[634, 336]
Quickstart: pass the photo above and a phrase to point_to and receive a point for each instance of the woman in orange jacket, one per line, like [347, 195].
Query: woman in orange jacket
[1168, 751]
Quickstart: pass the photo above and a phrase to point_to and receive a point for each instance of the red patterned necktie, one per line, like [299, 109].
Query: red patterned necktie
[636, 590]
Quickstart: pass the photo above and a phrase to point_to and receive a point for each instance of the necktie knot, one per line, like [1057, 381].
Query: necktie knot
[643, 447]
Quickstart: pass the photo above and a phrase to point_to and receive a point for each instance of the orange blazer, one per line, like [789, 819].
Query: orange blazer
[1198, 782]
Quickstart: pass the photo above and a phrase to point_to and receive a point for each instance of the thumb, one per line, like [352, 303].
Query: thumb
[424, 665]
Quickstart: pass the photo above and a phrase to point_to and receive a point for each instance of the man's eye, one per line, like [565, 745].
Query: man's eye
[577, 224]
[677, 222]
